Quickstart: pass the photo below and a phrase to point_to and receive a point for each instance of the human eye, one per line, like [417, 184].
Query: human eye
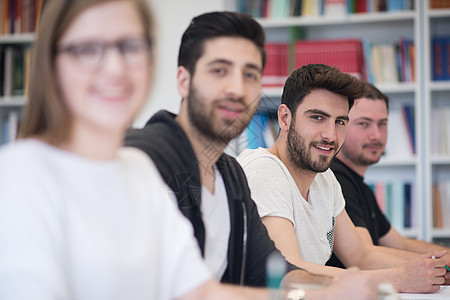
[132, 46]
[317, 117]
[88, 51]
[383, 124]
[219, 71]
[341, 122]
[363, 124]
[252, 75]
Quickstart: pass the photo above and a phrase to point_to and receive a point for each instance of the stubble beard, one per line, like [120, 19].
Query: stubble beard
[359, 158]
[300, 155]
[205, 124]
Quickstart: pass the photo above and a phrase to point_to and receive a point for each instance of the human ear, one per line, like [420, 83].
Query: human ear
[284, 117]
[183, 81]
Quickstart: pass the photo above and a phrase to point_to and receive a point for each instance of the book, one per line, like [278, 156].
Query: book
[255, 131]
[18, 72]
[398, 135]
[334, 8]
[380, 195]
[408, 199]
[437, 208]
[439, 3]
[8, 71]
[276, 70]
[409, 120]
[438, 61]
[397, 205]
[344, 54]
[13, 124]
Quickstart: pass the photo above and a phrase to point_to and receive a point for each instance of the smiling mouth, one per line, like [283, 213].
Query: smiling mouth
[323, 148]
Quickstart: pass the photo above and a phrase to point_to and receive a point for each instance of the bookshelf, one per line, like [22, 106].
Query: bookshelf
[420, 24]
[436, 95]
[18, 23]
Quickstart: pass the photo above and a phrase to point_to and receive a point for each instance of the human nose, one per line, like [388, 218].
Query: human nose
[329, 131]
[113, 60]
[375, 133]
[235, 85]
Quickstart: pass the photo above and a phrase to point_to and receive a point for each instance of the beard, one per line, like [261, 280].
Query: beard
[208, 126]
[300, 154]
[359, 158]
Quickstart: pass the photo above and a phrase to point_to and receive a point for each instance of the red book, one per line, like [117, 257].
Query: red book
[276, 70]
[361, 6]
[346, 55]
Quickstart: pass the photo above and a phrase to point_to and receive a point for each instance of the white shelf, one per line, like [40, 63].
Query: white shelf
[441, 233]
[13, 101]
[439, 13]
[271, 92]
[439, 86]
[396, 162]
[440, 160]
[409, 233]
[17, 38]
[402, 87]
[345, 19]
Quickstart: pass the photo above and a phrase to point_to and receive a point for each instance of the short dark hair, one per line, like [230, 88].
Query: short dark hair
[318, 76]
[375, 94]
[214, 25]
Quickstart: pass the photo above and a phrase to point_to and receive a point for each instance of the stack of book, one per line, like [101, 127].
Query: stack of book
[15, 66]
[315, 8]
[346, 55]
[439, 3]
[396, 200]
[378, 64]
[20, 16]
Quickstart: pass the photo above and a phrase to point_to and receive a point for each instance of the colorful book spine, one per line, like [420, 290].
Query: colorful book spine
[396, 201]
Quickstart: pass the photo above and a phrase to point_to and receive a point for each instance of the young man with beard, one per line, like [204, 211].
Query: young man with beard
[300, 200]
[365, 141]
[221, 59]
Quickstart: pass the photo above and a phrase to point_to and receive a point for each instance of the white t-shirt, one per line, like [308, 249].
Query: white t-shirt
[216, 217]
[76, 228]
[276, 194]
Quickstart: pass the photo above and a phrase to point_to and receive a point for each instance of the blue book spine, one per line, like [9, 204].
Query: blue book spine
[255, 131]
[446, 58]
[438, 59]
[408, 205]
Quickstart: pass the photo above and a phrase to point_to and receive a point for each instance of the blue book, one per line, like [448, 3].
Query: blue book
[255, 131]
[446, 58]
[397, 205]
[408, 115]
[439, 58]
[408, 205]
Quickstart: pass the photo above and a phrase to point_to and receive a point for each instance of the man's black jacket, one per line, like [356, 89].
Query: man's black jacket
[169, 148]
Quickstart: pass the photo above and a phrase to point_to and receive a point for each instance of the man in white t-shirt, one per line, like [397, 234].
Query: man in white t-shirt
[298, 197]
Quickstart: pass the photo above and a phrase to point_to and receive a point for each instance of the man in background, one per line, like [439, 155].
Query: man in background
[365, 141]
